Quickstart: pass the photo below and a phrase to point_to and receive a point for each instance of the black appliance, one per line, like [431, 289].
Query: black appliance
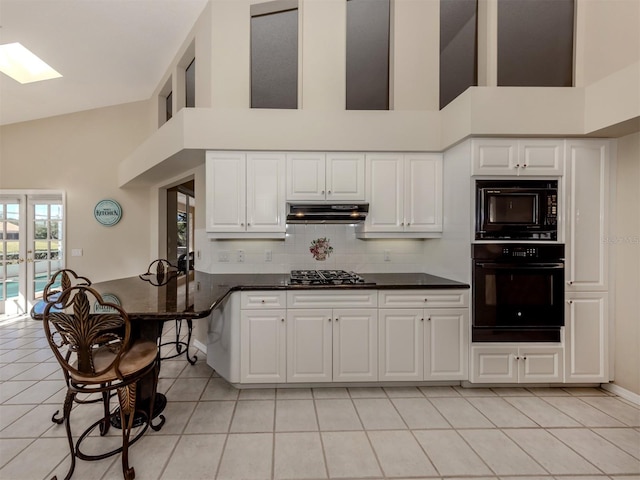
[518, 292]
[326, 277]
[516, 209]
[327, 212]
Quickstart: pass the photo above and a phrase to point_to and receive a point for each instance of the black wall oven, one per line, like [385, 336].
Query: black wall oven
[518, 292]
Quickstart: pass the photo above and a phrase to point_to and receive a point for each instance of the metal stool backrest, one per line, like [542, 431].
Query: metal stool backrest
[159, 272]
[76, 335]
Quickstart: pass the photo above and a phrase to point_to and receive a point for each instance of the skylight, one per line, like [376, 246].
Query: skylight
[24, 66]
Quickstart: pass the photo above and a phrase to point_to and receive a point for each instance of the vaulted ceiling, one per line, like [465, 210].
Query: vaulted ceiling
[108, 51]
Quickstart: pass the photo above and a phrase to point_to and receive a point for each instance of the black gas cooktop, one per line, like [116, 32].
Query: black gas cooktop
[326, 277]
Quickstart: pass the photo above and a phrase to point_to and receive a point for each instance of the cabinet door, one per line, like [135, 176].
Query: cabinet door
[446, 340]
[540, 157]
[423, 193]
[309, 351]
[492, 156]
[226, 192]
[262, 346]
[385, 178]
[266, 209]
[355, 345]
[401, 344]
[586, 337]
[345, 176]
[539, 364]
[494, 365]
[587, 193]
[306, 176]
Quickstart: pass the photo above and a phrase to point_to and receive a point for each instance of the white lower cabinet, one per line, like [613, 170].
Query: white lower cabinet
[332, 345]
[423, 343]
[521, 364]
[401, 344]
[586, 337]
[312, 336]
[263, 337]
[446, 340]
[263, 346]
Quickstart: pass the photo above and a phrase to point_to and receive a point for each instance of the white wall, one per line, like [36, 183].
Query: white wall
[79, 154]
[625, 246]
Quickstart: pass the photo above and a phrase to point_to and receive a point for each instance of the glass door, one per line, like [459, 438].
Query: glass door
[31, 247]
[12, 256]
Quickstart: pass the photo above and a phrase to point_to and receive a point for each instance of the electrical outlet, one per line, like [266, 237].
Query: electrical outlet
[223, 256]
[268, 256]
[387, 256]
[240, 256]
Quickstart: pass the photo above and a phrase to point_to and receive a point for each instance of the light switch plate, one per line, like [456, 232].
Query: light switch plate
[76, 252]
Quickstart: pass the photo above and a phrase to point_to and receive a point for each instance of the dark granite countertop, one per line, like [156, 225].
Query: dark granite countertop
[197, 294]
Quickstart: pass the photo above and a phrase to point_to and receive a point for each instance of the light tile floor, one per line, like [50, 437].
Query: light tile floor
[214, 431]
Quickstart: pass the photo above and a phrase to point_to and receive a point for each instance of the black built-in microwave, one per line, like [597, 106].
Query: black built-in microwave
[516, 209]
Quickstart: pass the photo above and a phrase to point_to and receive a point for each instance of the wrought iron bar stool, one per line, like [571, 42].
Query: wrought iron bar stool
[60, 281]
[98, 356]
[159, 273]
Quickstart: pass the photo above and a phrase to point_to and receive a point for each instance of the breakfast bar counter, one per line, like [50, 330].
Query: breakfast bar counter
[196, 295]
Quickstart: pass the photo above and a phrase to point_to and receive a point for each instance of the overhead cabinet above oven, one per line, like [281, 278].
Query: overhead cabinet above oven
[524, 157]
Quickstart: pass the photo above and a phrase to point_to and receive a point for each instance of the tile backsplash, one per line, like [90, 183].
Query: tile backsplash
[281, 256]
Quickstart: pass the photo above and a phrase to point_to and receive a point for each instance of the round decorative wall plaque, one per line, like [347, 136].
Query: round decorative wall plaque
[108, 212]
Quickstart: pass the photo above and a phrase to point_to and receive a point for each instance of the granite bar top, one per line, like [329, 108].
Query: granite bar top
[196, 295]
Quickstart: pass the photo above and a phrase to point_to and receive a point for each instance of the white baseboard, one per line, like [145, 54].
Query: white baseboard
[621, 392]
[200, 346]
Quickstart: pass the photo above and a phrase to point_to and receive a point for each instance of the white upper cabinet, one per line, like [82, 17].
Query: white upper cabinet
[423, 193]
[404, 192]
[226, 192]
[586, 214]
[497, 156]
[245, 195]
[325, 177]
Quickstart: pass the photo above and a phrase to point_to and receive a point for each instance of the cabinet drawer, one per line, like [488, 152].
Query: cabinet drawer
[332, 299]
[423, 298]
[265, 299]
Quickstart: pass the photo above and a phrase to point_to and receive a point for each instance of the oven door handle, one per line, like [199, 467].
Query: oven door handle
[524, 266]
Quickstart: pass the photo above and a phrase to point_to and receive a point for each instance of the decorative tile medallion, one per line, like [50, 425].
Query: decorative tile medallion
[321, 248]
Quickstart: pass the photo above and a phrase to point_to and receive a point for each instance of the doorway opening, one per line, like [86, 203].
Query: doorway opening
[181, 226]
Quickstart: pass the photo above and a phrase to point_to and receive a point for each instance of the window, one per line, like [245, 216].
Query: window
[168, 106]
[458, 48]
[190, 84]
[535, 43]
[274, 54]
[368, 54]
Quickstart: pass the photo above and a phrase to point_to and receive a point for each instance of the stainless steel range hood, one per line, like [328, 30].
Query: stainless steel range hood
[327, 212]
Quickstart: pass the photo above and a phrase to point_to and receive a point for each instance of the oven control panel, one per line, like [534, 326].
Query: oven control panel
[517, 252]
[520, 252]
